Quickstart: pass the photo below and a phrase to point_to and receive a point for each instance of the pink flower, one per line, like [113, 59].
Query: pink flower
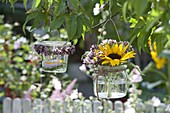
[28, 93]
[58, 95]
[135, 76]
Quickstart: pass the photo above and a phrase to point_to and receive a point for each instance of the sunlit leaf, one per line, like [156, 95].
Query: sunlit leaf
[25, 3]
[124, 11]
[18, 59]
[35, 3]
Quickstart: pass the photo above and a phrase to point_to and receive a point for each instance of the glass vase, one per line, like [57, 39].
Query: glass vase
[110, 82]
[54, 57]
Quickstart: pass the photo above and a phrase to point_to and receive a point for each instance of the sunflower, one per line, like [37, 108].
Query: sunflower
[159, 61]
[115, 54]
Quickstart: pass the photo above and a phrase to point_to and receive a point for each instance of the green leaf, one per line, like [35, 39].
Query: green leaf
[159, 43]
[152, 19]
[140, 7]
[28, 18]
[80, 26]
[101, 2]
[133, 22]
[25, 3]
[75, 41]
[18, 59]
[37, 22]
[71, 26]
[75, 3]
[26, 47]
[57, 22]
[124, 11]
[50, 2]
[60, 7]
[35, 3]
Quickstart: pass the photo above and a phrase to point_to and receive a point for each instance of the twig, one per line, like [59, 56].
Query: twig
[104, 21]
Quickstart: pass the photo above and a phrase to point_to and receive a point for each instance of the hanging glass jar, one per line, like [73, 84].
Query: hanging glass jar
[54, 55]
[110, 82]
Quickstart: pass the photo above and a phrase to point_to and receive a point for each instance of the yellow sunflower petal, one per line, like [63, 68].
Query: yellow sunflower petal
[120, 49]
[115, 48]
[128, 55]
[115, 62]
[105, 62]
[101, 48]
[124, 49]
[108, 49]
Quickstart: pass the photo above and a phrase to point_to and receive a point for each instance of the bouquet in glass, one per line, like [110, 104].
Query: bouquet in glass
[106, 62]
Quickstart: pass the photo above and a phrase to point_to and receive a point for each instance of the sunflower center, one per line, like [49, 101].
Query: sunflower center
[114, 56]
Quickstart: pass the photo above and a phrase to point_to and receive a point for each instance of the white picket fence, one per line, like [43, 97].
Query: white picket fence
[18, 105]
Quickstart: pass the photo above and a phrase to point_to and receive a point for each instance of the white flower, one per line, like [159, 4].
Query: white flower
[8, 25]
[22, 40]
[24, 71]
[104, 32]
[16, 24]
[156, 101]
[130, 110]
[97, 9]
[23, 78]
[33, 87]
[83, 68]
[131, 90]
[74, 94]
[56, 83]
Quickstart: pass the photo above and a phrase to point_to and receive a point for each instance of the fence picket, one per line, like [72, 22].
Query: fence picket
[108, 106]
[56, 106]
[46, 106]
[77, 106]
[140, 107]
[17, 106]
[167, 108]
[37, 106]
[26, 105]
[118, 105]
[87, 106]
[149, 108]
[160, 108]
[97, 106]
[7, 108]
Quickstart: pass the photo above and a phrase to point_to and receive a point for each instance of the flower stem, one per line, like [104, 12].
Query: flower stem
[97, 92]
[109, 87]
[168, 76]
[115, 28]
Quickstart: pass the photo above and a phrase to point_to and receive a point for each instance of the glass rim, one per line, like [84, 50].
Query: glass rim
[53, 43]
[106, 69]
